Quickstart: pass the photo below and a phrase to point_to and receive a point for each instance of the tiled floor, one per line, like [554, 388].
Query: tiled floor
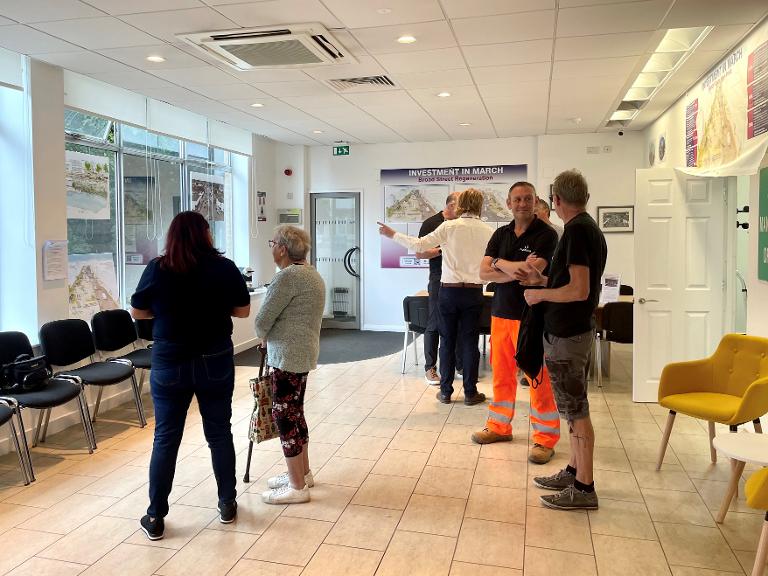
[400, 489]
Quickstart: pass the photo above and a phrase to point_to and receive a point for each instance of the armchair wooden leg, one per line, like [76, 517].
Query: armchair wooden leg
[665, 438]
[762, 550]
[712, 451]
[758, 426]
[737, 468]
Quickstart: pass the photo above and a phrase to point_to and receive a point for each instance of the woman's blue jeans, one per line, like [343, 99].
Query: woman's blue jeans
[211, 378]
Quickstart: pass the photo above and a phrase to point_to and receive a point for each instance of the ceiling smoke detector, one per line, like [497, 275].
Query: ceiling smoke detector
[290, 46]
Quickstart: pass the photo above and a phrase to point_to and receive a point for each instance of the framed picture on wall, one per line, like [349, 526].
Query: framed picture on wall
[616, 218]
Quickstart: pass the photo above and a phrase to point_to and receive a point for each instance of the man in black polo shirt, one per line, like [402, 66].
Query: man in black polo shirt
[525, 239]
[572, 293]
[431, 335]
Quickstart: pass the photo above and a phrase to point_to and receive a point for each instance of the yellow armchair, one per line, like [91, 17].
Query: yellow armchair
[730, 387]
[757, 497]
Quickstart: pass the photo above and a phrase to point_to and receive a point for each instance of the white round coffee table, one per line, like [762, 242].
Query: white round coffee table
[740, 447]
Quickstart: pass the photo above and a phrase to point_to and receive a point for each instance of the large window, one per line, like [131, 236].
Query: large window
[125, 185]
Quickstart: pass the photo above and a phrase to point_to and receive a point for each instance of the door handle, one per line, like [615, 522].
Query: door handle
[643, 300]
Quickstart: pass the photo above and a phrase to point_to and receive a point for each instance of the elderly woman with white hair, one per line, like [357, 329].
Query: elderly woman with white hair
[289, 324]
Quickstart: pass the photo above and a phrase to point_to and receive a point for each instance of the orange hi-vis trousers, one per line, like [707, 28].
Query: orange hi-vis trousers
[545, 419]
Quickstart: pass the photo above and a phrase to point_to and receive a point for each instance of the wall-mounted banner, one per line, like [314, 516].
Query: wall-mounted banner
[411, 195]
[726, 116]
[762, 230]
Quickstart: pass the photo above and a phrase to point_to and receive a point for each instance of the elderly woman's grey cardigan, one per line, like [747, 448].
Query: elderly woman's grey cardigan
[290, 317]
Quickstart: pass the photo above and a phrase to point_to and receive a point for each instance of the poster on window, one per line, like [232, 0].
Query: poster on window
[207, 195]
[87, 184]
[261, 201]
[138, 199]
[92, 285]
[411, 195]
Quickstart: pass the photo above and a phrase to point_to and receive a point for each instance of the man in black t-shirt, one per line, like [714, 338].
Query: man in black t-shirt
[571, 295]
[525, 239]
[431, 336]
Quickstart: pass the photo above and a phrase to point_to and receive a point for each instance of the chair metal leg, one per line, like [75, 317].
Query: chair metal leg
[712, 451]
[484, 342]
[141, 380]
[758, 426]
[137, 400]
[405, 349]
[44, 435]
[25, 444]
[98, 402]
[762, 550]
[40, 418]
[665, 438]
[90, 433]
[416, 347]
[598, 359]
[22, 460]
[737, 468]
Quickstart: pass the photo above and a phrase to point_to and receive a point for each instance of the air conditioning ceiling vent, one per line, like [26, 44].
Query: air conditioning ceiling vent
[293, 46]
[362, 84]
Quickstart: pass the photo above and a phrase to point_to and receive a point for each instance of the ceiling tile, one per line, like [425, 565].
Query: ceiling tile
[574, 3]
[512, 74]
[506, 54]
[724, 37]
[305, 88]
[126, 77]
[429, 60]
[464, 9]
[202, 76]
[318, 102]
[278, 12]
[611, 18]
[26, 11]
[692, 13]
[230, 91]
[460, 94]
[95, 33]
[118, 7]
[272, 75]
[524, 96]
[383, 40]
[364, 14]
[174, 94]
[603, 46]
[505, 28]
[590, 68]
[26, 40]
[137, 57]
[438, 79]
[81, 62]
[6, 21]
[165, 25]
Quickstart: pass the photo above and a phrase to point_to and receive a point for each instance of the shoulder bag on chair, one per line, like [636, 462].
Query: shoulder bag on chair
[25, 374]
[263, 425]
[530, 343]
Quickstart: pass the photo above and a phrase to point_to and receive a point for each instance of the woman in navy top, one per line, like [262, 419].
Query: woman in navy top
[192, 292]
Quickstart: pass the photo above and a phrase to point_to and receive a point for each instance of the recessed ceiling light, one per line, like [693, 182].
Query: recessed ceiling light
[317, 131]
[384, 11]
[155, 59]
[443, 94]
[406, 39]
[464, 124]
[257, 105]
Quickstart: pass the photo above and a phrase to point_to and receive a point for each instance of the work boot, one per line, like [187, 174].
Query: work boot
[477, 398]
[487, 436]
[540, 454]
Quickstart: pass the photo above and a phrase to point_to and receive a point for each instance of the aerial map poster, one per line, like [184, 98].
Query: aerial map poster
[92, 285]
[726, 114]
[411, 195]
[87, 183]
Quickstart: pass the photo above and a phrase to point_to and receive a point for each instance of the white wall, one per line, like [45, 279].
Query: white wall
[611, 177]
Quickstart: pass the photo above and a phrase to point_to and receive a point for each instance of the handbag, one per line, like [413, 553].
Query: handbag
[529, 353]
[262, 426]
[25, 374]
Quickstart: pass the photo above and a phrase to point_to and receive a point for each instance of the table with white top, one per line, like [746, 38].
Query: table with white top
[740, 447]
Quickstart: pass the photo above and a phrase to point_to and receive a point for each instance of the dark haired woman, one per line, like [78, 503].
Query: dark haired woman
[192, 292]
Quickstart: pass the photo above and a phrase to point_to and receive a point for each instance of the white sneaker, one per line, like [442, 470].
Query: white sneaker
[283, 480]
[286, 495]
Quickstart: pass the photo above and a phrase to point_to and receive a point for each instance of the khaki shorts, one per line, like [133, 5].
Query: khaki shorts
[566, 360]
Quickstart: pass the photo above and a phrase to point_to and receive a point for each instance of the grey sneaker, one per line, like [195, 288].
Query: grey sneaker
[558, 481]
[571, 498]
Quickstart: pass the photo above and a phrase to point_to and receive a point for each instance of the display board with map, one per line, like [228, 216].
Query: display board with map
[92, 285]
[726, 115]
[411, 195]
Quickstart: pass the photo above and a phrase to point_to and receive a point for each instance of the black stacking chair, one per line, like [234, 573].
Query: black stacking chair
[616, 325]
[114, 330]
[415, 314]
[485, 319]
[626, 290]
[68, 342]
[57, 391]
[8, 409]
[144, 329]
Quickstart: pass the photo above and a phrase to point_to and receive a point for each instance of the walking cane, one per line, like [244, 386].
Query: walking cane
[247, 476]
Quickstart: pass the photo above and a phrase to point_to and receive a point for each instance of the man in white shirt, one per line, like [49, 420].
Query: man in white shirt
[463, 242]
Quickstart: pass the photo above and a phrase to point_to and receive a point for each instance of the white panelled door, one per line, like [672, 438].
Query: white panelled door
[679, 272]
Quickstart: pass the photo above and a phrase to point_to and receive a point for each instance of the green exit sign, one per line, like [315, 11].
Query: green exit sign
[341, 150]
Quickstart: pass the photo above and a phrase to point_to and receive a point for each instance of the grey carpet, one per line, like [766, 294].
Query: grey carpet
[338, 346]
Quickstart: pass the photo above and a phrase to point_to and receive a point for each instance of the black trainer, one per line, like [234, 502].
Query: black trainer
[153, 528]
[227, 512]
